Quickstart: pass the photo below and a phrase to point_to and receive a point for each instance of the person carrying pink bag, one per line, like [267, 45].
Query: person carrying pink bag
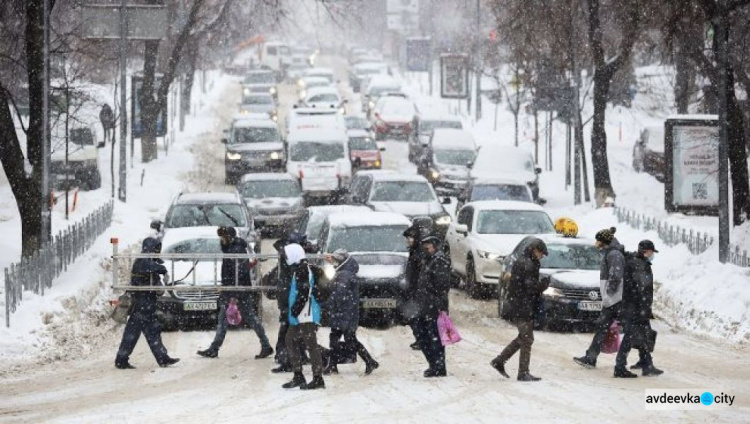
[448, 332]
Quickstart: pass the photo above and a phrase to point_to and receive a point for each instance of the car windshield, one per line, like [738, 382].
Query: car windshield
[401, 191]
[500, 192]
[376, 238]
[398, 107]
[316, 152]
[377, 91]
[257, 100]
[198, 245]
[325, 97]
[362, 143]
[207, 215]
[514, 222]
[312, 84]
[260, 78]
[460, 157]
[314, 224]
[269, 188]
[571, 256]
[255, 135]
[356, 123]
[427, 127]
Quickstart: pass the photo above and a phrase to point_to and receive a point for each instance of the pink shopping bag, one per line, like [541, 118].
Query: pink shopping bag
[448, 332]
[612, 341]
[233, 314]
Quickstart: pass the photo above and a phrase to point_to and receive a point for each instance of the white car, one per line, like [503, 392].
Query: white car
[323, 98]
[307, 83]
[314, 118]
[320, 159]
[326, 73]
[486, 232]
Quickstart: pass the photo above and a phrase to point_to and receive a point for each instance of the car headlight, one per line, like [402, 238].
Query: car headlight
[443, 220]
[275, 118]
[272, 90]
[342, 110]
[276, 155]
[488, 255]
[372, 105]
[553, 292]
[435, 174]
[234, 156]
[300, 83]
[302, 95]
[246, 91]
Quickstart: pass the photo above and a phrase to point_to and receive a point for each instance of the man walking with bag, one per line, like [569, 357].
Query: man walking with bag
[238, 269]
[145, 272]
[611, 273]
[432, 292]
[414, 234]
[637, 298]
[524, 290]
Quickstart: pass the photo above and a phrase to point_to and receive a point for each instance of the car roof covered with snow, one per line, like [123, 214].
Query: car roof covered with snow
[380, 176]
[490, 180]
[312, 111]
[383, 81]
[258, 117]
[358, 133]
[318, 135]
[371, 219]
[268, 176]
[323, 90]
[313, 78]
[207, 198]
[504, 205]
[177, 235]
[329, 209]
[453, 138]
[255, 123]
[319, 71]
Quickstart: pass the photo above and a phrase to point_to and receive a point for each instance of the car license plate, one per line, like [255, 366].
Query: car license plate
[590, 306]
[200, 306]
[379, 303]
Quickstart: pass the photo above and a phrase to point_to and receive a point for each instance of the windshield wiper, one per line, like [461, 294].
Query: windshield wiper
[231, 218]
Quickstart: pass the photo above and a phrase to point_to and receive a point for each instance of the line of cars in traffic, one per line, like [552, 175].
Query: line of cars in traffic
[327, 157]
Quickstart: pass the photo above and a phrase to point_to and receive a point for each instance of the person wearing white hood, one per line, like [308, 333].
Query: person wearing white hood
[304, 318]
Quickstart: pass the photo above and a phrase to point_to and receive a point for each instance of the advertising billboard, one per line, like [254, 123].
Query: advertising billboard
[454, 76]
[137, 124]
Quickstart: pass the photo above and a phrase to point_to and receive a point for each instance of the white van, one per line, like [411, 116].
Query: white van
[320, 159]
[276, 56]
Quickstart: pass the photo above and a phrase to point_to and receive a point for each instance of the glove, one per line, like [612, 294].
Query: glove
[165, 279]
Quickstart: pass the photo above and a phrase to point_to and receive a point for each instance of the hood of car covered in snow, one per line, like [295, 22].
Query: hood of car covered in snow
[410, 209]
[573, 278]
[270, 146]
[274, 203]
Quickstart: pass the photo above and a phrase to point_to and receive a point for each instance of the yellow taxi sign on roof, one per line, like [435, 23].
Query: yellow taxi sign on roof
[567, 227]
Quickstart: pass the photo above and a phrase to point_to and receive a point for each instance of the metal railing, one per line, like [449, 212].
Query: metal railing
[37, 272]
[697, 242]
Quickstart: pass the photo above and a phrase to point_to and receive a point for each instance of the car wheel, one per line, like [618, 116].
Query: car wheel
[472, 287]
[502, 302]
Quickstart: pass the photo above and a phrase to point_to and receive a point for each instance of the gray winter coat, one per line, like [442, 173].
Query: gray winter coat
[611, 274]
[343, 302]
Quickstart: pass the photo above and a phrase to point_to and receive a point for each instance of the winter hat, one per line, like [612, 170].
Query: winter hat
[431, 239]
[606, 236]
[340, 256]
[221, 231]
[646, 245]
[231, 232]
[294, 253]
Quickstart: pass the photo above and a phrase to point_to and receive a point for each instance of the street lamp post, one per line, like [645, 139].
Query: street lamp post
[478, 66]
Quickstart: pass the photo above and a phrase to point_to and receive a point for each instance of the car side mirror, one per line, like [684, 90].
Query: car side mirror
[541, 201]
[470, 165]
[100, 145]
[537, 170]
[382, 148]
[156, 225]
[446, 201]
[462, 229]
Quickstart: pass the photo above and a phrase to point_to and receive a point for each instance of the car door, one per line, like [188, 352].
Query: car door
[461, 243]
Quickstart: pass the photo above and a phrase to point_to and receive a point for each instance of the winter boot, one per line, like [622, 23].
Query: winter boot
[331, 368]
[430, 373]
[264, 352]
[624, 373]
[527, 377]
[315, 383]
[124, 365]
[651, 371]
[638, 365]
[499, 366]
[297, 381]
[370, 364]
[208, 353]
[585, 361]
[282, 368]
[169, 361]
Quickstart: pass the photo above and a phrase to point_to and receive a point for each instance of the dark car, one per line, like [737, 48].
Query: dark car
[375, 240]
[252, 145]
[648, 152]
[410, 195]
[572, 270]
[260, 81]
[274, 199]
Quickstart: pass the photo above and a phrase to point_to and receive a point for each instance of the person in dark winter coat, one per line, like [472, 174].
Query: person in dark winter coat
[283, 273]
[343, 312]
[524, 290]
[419, 229]
[611, 274]
[236, 272]
[142, 319]
[637, 298]
[432, 292]
[304, 318]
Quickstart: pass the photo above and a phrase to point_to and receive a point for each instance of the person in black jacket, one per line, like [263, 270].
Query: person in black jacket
[236, 272]
[432, 292]
[343, 312]
[637, 298]
[524, 290]
[419, 229]
[142, 319]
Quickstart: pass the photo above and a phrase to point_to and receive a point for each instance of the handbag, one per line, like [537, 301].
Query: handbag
[233, 313]
[612, 340]
[448, 332]
[123, 308]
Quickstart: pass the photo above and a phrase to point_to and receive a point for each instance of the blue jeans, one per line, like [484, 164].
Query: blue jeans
[248, 312]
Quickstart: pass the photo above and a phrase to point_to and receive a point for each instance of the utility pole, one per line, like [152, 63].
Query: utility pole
[46, 188]
[722, 35]
[478, 66]
[123, 103]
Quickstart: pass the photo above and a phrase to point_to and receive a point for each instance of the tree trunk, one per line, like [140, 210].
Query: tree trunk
[737, 155]
[602, 181]
[684, 80]
[149, 106]
[187, 86]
